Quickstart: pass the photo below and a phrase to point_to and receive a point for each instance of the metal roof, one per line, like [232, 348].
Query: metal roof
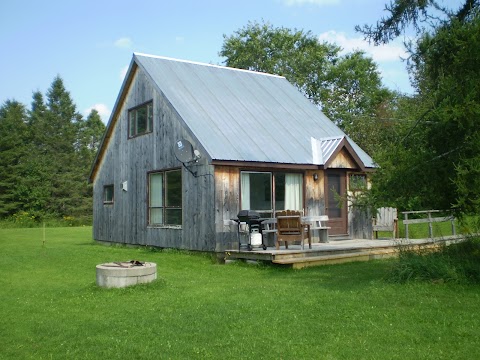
[240, 115]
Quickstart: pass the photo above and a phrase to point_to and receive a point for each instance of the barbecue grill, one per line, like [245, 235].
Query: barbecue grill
[249, 226]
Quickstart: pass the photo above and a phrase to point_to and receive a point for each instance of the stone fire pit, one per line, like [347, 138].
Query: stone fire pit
[127, 273]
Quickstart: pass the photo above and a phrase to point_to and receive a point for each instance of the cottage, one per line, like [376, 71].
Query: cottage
[189, 145]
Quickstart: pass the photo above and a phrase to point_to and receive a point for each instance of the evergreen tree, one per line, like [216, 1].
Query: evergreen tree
[13, 130]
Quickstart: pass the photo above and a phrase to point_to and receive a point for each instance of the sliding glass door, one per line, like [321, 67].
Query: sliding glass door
[268, 192]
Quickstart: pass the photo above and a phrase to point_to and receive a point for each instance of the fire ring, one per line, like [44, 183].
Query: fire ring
[127, 273]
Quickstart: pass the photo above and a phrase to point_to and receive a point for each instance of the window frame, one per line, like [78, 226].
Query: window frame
[105, 192]
[273, 189]
[149, 122]
[165, 206]
[354, 182]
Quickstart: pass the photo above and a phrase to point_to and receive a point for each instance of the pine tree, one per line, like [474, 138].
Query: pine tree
[13, 129]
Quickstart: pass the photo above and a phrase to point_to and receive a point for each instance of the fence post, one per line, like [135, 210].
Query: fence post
[453, 226]
[430, 228]
[405, 215]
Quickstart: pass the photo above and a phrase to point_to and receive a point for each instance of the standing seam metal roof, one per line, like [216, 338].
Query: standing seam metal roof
[241, 115]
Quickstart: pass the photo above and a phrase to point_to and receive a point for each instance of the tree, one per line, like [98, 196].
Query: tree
[347, 88]
[46, 154]
[90, 135]
[13, 129]
[446, 75]
[356, 99]
[295, 54]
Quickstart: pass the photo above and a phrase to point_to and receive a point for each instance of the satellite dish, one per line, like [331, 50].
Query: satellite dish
[184, 151]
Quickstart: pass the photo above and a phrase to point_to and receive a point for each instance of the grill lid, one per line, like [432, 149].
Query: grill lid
[245, 215]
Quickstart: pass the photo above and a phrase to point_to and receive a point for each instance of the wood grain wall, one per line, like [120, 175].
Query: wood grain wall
[131, 160]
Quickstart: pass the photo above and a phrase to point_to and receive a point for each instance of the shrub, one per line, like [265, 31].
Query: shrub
[458, 263]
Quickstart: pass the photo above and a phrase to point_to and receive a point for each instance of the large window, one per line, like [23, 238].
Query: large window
[268, 192]
[165, 198]
[140, 120]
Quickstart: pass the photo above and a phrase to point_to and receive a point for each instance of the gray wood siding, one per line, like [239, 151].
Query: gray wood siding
[131, 160]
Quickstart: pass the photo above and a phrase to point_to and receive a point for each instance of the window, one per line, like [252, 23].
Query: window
[165, 198]
[268, 192]
[108, 194]
[357, 182]
[140, 120]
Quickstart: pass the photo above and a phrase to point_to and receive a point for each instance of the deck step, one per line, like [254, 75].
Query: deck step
[298, 263]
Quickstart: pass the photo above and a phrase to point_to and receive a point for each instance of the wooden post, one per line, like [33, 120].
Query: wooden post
[430, 228]
[43, 243]
[453, 226]
[405, 215]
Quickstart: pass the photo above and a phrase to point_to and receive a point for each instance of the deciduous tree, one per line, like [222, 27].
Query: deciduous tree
[347, 88]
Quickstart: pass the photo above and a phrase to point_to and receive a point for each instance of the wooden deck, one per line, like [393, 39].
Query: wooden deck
[334, 252]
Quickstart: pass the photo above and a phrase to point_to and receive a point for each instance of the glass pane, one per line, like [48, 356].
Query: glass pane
[131, 123]
[260, 191]
[108, 193]
[279, 192]
[358, 182]
[141, 120]
[293, 191]
[156, 186]
[245, 190]
[156, 216]
[150, 117]
[174, 188]
[173, 216]
[334, 190]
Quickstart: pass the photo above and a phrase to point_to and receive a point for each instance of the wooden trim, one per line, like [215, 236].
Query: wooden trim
[345, 144]
[265, 165]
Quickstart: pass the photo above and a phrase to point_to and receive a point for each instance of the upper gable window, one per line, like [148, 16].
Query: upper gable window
[140, 120]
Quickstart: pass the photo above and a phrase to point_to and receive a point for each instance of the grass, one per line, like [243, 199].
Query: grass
[51, 307]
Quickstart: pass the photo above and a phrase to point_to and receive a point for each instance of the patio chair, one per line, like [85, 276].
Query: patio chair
[290, 228]
[386, 220]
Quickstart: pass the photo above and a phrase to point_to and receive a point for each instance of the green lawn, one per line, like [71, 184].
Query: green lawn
[51, 308]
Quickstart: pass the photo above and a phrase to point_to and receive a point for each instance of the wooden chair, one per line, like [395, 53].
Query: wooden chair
[386, 220]
[290, 228]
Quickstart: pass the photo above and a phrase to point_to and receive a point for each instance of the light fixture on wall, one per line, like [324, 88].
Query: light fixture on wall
[315, 176]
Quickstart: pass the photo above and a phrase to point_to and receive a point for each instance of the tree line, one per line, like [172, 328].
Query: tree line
[46, 152]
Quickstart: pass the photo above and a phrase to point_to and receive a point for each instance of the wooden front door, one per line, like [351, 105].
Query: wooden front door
[336, 202]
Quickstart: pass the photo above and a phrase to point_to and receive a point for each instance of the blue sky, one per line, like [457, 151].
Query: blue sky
[90, 43]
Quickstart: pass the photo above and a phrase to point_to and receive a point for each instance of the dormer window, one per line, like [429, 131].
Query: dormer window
[140, 120]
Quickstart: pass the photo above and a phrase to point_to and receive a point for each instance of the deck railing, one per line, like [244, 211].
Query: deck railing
[429, 219]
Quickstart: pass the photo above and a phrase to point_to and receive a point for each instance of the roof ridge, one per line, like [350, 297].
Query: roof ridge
[205, 64]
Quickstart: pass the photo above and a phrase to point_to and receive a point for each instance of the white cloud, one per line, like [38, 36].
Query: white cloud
[312, 2]
[381, 53]
[124, 42]
[102, 109]
[179, 39]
